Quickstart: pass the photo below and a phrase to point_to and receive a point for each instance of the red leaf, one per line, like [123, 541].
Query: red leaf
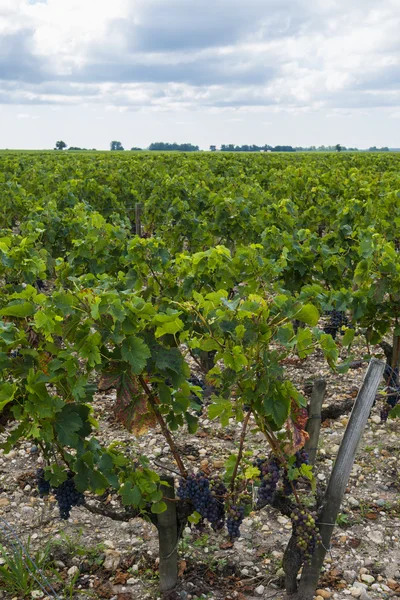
[295, 426]
[131, 406]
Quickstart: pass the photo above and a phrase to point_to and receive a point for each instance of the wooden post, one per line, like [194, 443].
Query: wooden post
[138, 219]
[168, 538]
[340, 475]
[314, 419]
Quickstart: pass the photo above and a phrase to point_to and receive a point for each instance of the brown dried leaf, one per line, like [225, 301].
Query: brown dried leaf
[121, 578]
[226, 545]
[131, 407]
[295, 426]
[182, 567]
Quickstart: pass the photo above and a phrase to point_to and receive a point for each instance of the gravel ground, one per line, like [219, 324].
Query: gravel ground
[119, 560]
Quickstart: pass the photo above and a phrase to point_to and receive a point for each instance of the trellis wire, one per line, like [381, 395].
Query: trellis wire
[12, 538]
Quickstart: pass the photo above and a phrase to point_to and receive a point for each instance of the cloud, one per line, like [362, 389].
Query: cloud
[211, 54]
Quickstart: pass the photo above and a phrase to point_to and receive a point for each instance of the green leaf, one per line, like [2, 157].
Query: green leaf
[308, 314]
[252, 473]
[67, 424]
[167, 323]
[229, 465]
[192, 422]
[220, 408]
[136, 353]
[130, 494]
[395, 412]
[194, 518]
[348, 337]
[26, 309]
[277, 407]
[304, 342]
[235, 359]
[7, 393]
[158, 507]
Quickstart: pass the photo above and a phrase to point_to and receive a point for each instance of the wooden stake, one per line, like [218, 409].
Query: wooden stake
[340, 475]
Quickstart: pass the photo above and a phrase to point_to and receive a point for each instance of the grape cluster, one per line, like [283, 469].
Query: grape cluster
[207, 497]
[391, 401]
[385, 410]
[391, 375]
[42, 485]
[234, 521]
[216, 510]
[337, 320]
[68, 496]
[305, 531]
[301, 458]
[270, 472]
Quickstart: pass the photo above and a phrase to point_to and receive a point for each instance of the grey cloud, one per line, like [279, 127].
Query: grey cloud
[17, 61]
[179, 24]
[215, 53]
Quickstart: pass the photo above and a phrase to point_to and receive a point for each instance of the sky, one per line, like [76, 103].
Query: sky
[298, 72]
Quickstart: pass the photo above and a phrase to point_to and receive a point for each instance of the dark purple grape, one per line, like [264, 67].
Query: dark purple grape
[68, 496]
[234, 521]
[42, 485]
[207, 497]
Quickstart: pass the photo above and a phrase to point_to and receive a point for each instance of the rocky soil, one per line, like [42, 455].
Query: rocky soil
[101, 558]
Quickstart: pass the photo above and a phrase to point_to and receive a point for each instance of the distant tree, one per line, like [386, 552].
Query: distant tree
[135, 149]
[213, 148]
[375, 149]
[283, 149]
[60, 145]
[167, 147]
[116, 146]
[338, 148]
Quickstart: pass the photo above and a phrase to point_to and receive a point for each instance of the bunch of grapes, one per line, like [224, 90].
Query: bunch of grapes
[216, 509]
[207, 497]
[385, 410]
[305, 531]
[234, 521]
[391, 401]
[337, 320]
[270, 477]
[68, 496]
[391, 375]
[42, 485]
[302, 458]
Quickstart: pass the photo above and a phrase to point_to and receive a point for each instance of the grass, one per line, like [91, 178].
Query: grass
[22, 570]
[19, 572]
[74, 546]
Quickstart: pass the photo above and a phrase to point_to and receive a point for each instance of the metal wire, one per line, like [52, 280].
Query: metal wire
[11, 536]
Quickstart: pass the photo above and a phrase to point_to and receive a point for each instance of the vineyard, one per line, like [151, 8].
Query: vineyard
[174, 329]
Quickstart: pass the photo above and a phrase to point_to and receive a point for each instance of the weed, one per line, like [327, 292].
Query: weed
[19, 573]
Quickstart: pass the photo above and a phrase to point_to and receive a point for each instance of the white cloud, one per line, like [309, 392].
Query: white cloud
[296, 56]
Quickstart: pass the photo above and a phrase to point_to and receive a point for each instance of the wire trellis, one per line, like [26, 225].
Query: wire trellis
[12, 538]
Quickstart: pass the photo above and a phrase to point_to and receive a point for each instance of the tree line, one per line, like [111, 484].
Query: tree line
[174, 147]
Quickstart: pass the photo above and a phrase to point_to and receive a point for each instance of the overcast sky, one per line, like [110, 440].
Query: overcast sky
[300, 72]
